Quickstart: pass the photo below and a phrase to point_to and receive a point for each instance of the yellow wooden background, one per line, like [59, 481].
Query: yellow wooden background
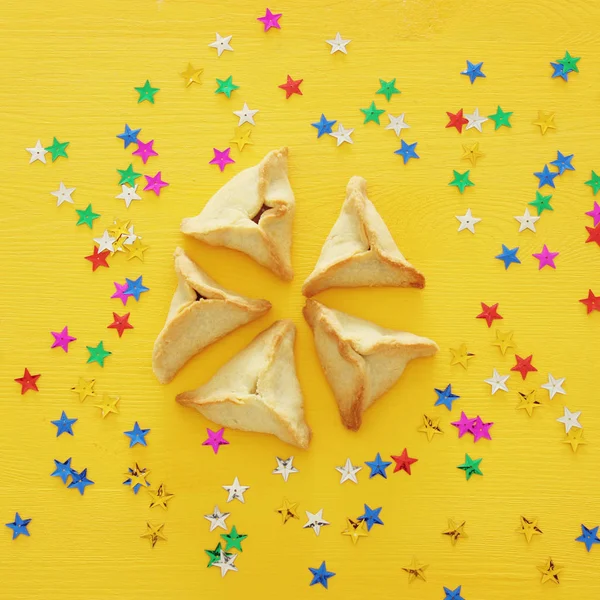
[68, 70]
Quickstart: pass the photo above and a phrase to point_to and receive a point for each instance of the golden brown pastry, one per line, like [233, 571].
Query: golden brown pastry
[257, 390]
[360, 359]
[360, 250]
[201, 313]
[252, 213]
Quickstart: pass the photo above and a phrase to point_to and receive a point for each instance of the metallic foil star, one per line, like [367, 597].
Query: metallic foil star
[550, 571]
[154, 533]
[461, 356]
[455, 532]
[430, 427]
[160, 497]
[287, 510]
[415, 570]
[355, 529]
[529, 528]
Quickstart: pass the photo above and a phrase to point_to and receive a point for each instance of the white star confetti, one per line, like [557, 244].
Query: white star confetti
[338, 44]
[554, 385]
[38, 152]
[397, 124]
[285, 467]
[236, 491]
[348, 472]
[225, 563]
[129, 194]
[217, 519]
[63, 194]
[342, 135]
[106, 242]
[221, 44]
[467, 221]
[570, 419]
[131, 237]
[498, 382]
[475, 120]
[315, 521]
[246, 115]
[527, 221]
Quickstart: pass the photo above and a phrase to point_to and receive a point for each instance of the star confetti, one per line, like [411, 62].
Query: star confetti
[221, 158]
[137, 435]
[86, 217]
[38, 152]
[270, 20]
[595, 214]
[135, 287]
[233, 539]
[475, 120]
[546, 177]
[348, 472]
[528, 402]
[464, 424]
[397, 124]
[321, 575]
[145, 150]
[120, 323]
[415, 570]
[592, 302]
[589, 537]
[569, 63]
[403, 462]
[97, 354]
[550, 571]
[378, 467]
[63, 194]
[455, 593]
[372, 113]
[470, 466]
[146, 92]
[285, 467]
[545, 258]
[287, 510]
[57, 149]
[593, 234]
[355, 529]
[241, 137]
[221, 44]
[387, 88]
[192, 75]
[155, 183]
[226, 86]
[129, 136]
[342, 135]
[215, 439]
[545, 121]
[62, 339]
[461, 181]
[471, 153]
[225, 563]
[501, 118]
[137, 478]
[62, 470]
[468, 221]
[28, 382]
[527, 221]
[461, 356]
[84, 388]
[407, 151]
[473, 71]
[529, 528]
[456, 120]
[489, 313]
[217, 519]
[19, 526]
[315, 521]
[236, 491]
[563, 162]
[291, 86]
[154, 533]
[504, 341]
[108, 405]
[570, 419]
[508, 256]
[574, 438]
[430, 427]
[79, 481]
[498, 382]
[524, 365]
[136, 249]
[445, 397]
[455, 531]
[323, 126]
[541, 203]
[160, 497]
[64, 424]
[554, 385]
[371, 517]
[338, 44]
[246, 115]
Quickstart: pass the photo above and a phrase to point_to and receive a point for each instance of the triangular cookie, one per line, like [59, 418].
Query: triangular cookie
[359, 250]
[253, 213]
[257, 390]
[360, 359]
[201, 313]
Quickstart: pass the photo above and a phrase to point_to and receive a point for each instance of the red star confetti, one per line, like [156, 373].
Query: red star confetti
[489, 313]
[28, 382]
[457, 120]
[592, 302]
[98, 259]
[120, 323]
[403, 462]
[524, 365]
[593, 234]
[291, 86]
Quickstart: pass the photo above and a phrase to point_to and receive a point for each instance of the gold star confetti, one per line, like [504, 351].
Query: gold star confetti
[461, 356]
[119, 244]
[455, 531]
[471, 152]
[84, 388]
[241, 137]
[160, 497]
[529, 528]
[287, 510]
[136, 250]
[119, 228]
[545, 121]
[415, 570]
[191, 75]
[504, 341]
[108, 405]
[430, 427]
[138, 476]
[550, 571]
[529, 402]
[154, 533]
[575, 438]
[355, 529]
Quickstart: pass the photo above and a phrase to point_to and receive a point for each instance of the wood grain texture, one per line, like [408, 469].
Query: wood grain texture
[68, 70]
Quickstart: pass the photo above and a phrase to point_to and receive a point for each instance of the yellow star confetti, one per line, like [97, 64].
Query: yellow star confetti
[575, 438]
[160, 497]
[430, 427]
[415, 570]
[504, 341]
[154, 533]
[287, 510]
[550, 571]
[461, 356]
[119, 228]
[108, 405]
[136, 250]
[84, 388]
[138, 476]
[529, 402]
[119, 244]
[471, 153]
[455, 531]
[545, 121]
[191, 75]
[529, 528]
[355, 529]
[241, 137]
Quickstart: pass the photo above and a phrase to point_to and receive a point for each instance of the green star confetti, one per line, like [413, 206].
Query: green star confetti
[372, 113]
[501, 118]
[128, 175]
[461, 180]
[542, 203]
[226, 86]
[57, 149]
[98, 354]
[146, 92]
[233, 539]
[87, 216]
[594, 183]
[388, 88]
[471, 466]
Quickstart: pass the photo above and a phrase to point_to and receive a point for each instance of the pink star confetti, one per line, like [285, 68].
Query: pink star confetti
[121, 292]
[464, 425]
[155, 184]
[62, 339]
[145, 150]
[546, 258]
[595, 213]
[221, 158]
[481, 430]
[270, 20]
[215, 439]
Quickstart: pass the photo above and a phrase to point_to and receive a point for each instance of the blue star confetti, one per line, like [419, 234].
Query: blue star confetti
[130, 136]
[473, 71]
[508, 256]
[80, 480]
[321, 575]
[19, 526]
[407, 151]
[378, 467]
[563, 163]
[445, 397]
[559, 71]
[589, 537]
[135, 287]
[453, 594]
[64, 424]
[137, 435]
[62, 470]
[371, 517]
[323, 126]
[546, 177]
